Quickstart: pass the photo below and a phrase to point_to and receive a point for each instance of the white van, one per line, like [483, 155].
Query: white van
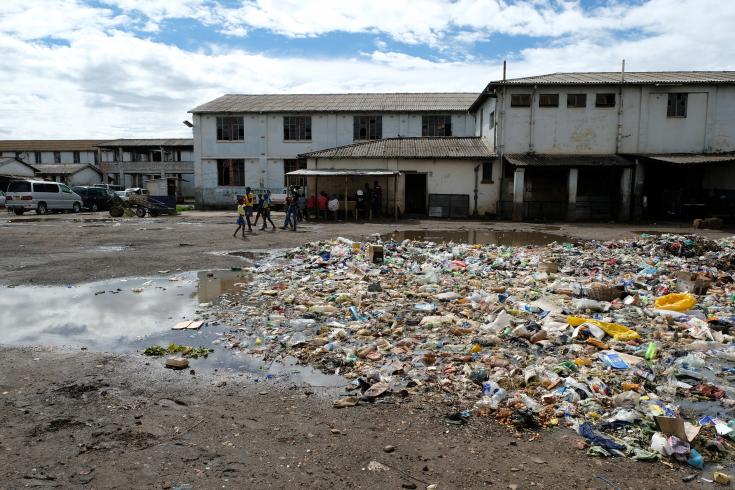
[41, 196]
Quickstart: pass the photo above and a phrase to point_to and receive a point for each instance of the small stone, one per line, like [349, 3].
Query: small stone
[192, 372]
[538, 460]
[335, 431]
[389, 449]
[515, 469]
[177, 363]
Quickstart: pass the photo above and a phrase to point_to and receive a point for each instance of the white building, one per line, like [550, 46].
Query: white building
[598, 145]
[51, 152]
[254, 140]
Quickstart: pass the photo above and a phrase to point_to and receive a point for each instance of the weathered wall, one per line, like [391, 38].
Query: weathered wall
[16, 169]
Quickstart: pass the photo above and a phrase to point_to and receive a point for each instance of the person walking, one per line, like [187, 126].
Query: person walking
[291, 210]
[240, 218]
[321, 202]
[265, 210]
[301, 202]
[249, 203]
[333, 206]
[258, 209]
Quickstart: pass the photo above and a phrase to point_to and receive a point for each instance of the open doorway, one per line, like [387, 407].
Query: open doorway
[415, 194]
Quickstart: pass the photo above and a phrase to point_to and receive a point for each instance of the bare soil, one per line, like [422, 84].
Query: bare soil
[95, 420]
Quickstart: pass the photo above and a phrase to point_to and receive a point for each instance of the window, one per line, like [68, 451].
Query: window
[76, 157]
[57, 157]
[230, 128]
[487, 171]
[20, 186]
[436, 126]
[96, 158]
[297, 128]
[291, 164]
[605, 100]
[548, 100]
[577, 100]
[52, 188]
[491, 122]
[231, 172]
[520, 100]
[37, 157]
[677, 106]
[367, 128]
[65, 189]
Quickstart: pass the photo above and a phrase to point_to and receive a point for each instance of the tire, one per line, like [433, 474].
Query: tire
[19, 211]
[42, 208]
[76, 207]
[95, 207]
[116, 211]
[140, 212]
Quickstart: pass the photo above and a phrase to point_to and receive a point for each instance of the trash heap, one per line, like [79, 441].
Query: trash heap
[628, 342]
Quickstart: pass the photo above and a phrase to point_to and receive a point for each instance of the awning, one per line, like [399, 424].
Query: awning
[314, 172]
[692, 159]
[539, 160]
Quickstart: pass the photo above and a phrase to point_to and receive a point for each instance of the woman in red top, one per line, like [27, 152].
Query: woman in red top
[322, 202]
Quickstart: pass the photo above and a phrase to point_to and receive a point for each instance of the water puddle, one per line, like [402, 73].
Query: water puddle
[482, 237]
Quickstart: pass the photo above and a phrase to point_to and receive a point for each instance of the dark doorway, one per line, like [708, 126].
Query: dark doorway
[415, 193]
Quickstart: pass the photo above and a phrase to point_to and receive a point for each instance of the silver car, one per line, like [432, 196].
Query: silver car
[41, 196]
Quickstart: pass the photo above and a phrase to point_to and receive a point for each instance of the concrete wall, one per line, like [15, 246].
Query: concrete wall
[264, 148]
[16, 169]
[47, 157]
[443, 177]
[708, 127]
[85, 177]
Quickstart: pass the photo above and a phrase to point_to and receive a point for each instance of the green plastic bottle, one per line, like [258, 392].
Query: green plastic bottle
[651, 351]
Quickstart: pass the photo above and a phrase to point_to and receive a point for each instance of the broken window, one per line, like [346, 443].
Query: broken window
[297, 128]
[57, 157]
[436, 126]
[487, 171]
[76, 157]
[605, 100]
[677, 106]
[520, 100]
[37, 157]
[577, 100]
[548, 100]
[230, 128]
[231, 172]
[367, 128]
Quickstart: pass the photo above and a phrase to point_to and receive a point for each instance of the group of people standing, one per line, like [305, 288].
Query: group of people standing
[368, 200]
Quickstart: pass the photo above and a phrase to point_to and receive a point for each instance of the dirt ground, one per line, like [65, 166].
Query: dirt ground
[96, 420]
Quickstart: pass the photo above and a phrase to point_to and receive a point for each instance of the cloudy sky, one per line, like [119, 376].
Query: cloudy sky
[132, 68]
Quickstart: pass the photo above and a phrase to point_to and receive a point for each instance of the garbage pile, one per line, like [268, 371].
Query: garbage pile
[628, 342]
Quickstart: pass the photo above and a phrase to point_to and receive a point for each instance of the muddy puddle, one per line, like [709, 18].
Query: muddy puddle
[482, 237]
[130, 314]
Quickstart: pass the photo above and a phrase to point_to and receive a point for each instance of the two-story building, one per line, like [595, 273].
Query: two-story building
[604, 145]
[255, 140]
[70, 161]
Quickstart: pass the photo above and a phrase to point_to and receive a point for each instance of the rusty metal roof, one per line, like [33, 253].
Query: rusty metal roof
[64, 169]
[155, 143]
[49, 145]
[411, 148]
[693, 159]
[544, 160]
[377, 102]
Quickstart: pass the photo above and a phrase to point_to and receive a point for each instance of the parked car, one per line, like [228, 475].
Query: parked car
[110, 187]
[41, 196]
[94, 198]
[2, 199]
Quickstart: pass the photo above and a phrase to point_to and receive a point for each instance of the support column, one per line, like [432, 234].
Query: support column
[626, 181]
[638, 191]
[572, 194]
[519, 187]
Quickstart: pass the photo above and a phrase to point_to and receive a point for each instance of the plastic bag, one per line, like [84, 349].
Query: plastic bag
[614, 330]
[676, 302]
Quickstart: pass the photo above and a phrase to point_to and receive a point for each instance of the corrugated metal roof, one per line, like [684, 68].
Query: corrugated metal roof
[693, 159]
[48, 145]
[147, 142]
[539, 160]
[411, 148]
[632, 77]
[312, 172]
[378, 102]
[67, 169]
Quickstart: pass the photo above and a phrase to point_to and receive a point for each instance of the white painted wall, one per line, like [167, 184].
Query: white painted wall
[16, 169]
[708, 127]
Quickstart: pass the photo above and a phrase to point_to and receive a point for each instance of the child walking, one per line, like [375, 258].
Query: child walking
[240, 218]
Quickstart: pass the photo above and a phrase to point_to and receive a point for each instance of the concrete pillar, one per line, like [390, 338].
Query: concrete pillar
[626, 180]
[572, 194]
[638, 191]
[519, 186]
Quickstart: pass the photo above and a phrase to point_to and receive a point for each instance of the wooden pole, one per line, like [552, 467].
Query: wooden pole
[395, 197]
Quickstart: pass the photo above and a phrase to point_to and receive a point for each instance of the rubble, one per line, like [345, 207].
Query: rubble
[596, 336]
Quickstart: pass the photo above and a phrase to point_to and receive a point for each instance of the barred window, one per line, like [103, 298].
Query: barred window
[577, 100]
[230, 128]
[436, 126]
[231, 172]
[548, 100]
[677, 105]
[367, 127]
[297, 128]
[520, 100]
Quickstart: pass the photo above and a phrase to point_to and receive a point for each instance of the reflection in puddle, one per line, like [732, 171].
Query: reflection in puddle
[212, 284]
[482, 237]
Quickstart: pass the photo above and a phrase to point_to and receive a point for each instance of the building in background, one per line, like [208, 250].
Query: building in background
[611, 145]
[130, 162]
[52, 152]
[12, 168]
[255, 140]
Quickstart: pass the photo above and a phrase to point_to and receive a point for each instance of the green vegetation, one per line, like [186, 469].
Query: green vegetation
[184, 207]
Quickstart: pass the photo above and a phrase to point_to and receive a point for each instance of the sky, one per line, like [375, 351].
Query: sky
[133, 68]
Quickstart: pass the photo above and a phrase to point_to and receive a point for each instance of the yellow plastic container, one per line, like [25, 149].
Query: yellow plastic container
[676, 302]
[614, 330]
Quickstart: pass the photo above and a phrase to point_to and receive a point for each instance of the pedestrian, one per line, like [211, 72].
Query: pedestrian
[359, 202]
[368, 201]
[249, 203]
[377, 199]
[333, 206]
[311, 206]
[321, 202]
[258, 209]
[265, 210]
[291, 210]
[240, 218]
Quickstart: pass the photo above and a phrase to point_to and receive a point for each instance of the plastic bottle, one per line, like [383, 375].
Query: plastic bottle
[651, 351]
